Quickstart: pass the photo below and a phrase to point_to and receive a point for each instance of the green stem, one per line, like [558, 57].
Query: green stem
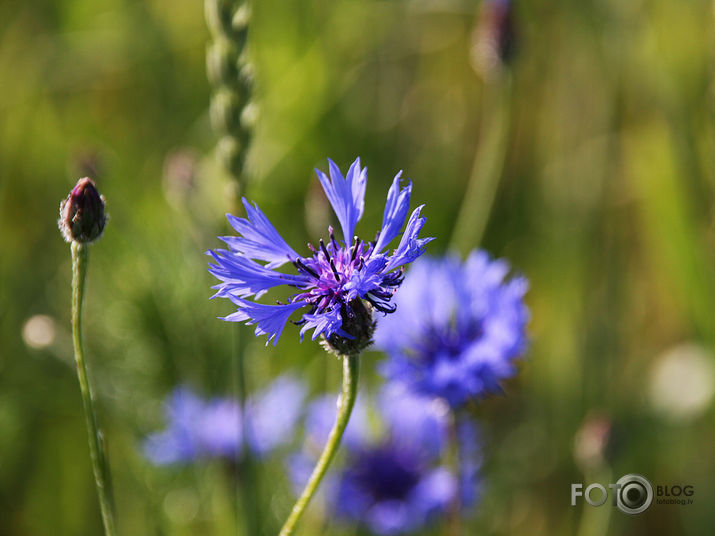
[487, 169]
[80, 258]
[351, 369]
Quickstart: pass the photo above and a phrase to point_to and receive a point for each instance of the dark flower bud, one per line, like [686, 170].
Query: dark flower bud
[82, 216]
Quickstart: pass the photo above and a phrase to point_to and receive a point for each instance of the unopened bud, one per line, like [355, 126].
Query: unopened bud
[493, 38]
[82, 216]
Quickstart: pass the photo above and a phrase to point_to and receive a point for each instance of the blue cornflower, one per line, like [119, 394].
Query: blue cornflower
[197, 428]
[458, 329]
[392, 480]
[334, 280]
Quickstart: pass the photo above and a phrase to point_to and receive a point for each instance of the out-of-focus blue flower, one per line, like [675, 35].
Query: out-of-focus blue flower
[458, 327]
[197, 428]
[333, 280]
[393, 479]
[272, 414]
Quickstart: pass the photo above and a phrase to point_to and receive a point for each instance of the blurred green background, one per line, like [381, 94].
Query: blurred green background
[589, 162]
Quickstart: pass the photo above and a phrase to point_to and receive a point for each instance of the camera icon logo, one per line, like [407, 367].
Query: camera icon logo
[634, 494]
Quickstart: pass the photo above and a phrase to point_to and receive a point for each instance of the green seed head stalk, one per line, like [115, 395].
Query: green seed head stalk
[231, 76]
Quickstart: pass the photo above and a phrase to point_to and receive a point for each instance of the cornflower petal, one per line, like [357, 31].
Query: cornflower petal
[198, 428]
[346, 195]
[243, 277]
[435, 492]
[391, 517]
[168, 447]
[269, 319]
[415, 419]
[259, 240]
[396, 207]
[179, 442]
[410, 246]
[219, 428]
[326, 323]
[273, 413]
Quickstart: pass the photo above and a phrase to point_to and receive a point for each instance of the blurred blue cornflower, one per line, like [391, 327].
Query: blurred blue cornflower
[198, 428]
[334, 280]
[393, 480]
[458, 327]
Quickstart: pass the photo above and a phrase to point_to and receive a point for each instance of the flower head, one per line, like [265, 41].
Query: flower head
[197, 428]
[392, 481]
[458, 328]
[339, 283]
[82, 215]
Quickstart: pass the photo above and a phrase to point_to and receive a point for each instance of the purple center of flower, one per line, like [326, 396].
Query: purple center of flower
[385, 473]
[449, 342]
[333, 270]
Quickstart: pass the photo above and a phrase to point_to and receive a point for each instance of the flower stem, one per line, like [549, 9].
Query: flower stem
[454, 520]
[80, 258]
[351, 369]
[487, 169]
